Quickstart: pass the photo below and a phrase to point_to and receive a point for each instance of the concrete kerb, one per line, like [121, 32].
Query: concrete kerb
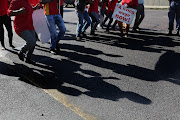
[157, 7]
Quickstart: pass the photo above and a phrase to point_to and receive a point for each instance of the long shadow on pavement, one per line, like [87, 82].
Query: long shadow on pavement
[142, 41]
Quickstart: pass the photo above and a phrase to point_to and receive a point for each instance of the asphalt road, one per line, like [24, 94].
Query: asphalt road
[102, 77]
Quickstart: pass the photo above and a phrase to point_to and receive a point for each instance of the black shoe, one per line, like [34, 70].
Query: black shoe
[177, 32]
[53, 51]
[30, 61]
[12, 46]
[134, 30]
[121, 34]
[92, 33]
[170, 32]
[21, 55]
[83, 34]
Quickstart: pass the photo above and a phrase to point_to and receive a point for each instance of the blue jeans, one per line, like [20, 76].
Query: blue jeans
[174, 12]
[81, 27]
[52, 21]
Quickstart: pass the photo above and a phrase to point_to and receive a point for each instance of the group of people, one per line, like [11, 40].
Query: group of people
[88, 15]
[23, 24]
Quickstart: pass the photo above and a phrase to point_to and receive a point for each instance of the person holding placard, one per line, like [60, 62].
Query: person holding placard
[128, 4]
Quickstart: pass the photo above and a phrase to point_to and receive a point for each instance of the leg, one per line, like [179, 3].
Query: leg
[178, 17]
[137, 18]
[29, 37]
[110, 21]
[171, 16]
[8, 26]
[88, 21]
[126, 29]
[61, 11]
[1, 32]
[120, 24]
[142, 15]
[80, 23]
[60, 23]
[52, 29]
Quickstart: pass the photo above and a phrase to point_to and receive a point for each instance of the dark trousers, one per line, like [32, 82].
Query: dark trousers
[5, 20]
[61, 11]
[174, 12]
[139, 16]
[110, 21]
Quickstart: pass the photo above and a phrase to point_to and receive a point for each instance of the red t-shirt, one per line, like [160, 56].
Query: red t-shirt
[130, 2]
[34, 2]
[111, 5]
[24, 21]
[51, 8]
[94, 7]
[3, 7]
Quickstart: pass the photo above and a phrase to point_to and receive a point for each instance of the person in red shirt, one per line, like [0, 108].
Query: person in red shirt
[5, 20]
[93, 13]
[23, 25]
[34, 2]
[53, 18]
[111, 7]
[130, 4]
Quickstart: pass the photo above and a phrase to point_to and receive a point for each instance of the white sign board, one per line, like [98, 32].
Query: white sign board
[124, 14]
[40, 26]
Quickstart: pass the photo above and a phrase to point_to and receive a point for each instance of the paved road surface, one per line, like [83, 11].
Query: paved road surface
[102, 77]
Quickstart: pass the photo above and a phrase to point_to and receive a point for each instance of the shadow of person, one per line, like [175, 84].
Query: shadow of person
[142, 41]
[168, 67]
[7, 69]
[128, 70]
[94, 84]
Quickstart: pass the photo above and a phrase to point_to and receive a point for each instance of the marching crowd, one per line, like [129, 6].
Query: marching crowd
[91, 13]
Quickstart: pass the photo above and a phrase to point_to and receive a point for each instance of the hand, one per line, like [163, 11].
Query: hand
[125, 5]
[37, 7]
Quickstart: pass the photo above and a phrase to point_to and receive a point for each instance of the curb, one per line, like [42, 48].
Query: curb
[157, 7]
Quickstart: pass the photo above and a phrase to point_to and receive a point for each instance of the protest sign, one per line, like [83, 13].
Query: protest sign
[40, 26]
[124, 14]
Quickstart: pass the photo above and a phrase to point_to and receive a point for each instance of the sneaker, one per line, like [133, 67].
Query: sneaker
[21, 55]
[92, 33]
[126, 35]
[3, 48]
[52, 51]
[78, 38]
[12, 46]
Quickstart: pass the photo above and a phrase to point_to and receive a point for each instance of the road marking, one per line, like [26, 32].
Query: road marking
[69, 104]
